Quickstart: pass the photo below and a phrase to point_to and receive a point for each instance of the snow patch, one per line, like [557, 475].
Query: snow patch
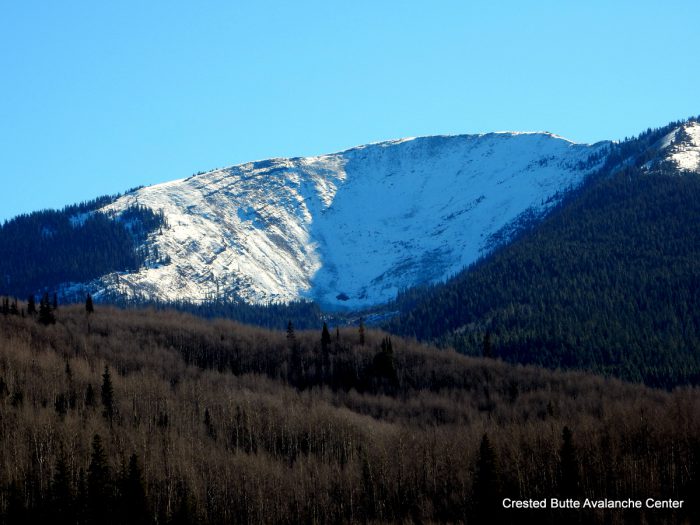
[686, 155]
[348, 229]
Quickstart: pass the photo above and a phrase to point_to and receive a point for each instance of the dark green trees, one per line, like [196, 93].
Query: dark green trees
[133, 506]
[99, 490]
[31, 305]
[89, 306]
[325, 338]
[62, 506]
[487, 346]
[46, 315]
[486, 494]
[291, 336]
[568, 466]
[107, 393]
[383, 363]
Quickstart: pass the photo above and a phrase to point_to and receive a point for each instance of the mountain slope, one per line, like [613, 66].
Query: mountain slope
[348, 229]
[609, 281]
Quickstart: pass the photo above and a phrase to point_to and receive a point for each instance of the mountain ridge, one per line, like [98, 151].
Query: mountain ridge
[393, 208]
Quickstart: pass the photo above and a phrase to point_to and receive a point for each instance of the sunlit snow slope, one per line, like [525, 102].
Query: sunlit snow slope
[682, 147]
[347, 229]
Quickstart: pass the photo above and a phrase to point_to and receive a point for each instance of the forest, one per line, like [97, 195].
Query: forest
[45, 249]
[609, 282]
[157, 416]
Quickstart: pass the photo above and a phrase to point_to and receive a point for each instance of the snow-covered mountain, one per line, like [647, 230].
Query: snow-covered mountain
[347, 229]
[681, 148]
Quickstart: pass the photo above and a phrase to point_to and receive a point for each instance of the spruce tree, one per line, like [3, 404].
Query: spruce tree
[89, 396]
[46, 315]
[31, 305]
[569, 466]
[89, 306]
[107, 393]
[98, 483]
[134, 506]
[325, 338]
[361, 330]
[487, 346]
[208, 425]
[486, 483]
[62, 500]
[291, 336]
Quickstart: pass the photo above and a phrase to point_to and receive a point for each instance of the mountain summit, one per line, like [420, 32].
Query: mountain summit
[347, 229]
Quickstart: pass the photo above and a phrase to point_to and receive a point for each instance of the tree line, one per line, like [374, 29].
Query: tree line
[45, 249]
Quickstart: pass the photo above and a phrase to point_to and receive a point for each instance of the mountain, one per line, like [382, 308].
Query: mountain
[350, 229]
[609, 281]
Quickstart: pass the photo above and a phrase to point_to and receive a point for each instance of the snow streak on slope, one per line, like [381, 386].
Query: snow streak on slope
[347, 229]
[685, 152]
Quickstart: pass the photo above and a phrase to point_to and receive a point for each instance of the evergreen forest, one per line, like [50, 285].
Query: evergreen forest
[609, 282]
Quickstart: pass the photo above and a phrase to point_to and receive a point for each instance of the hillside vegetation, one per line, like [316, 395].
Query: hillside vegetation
[139, 416]
[609, 282]
[45, 249]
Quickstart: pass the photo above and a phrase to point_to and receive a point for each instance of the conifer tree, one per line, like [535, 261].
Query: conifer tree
[291, 336]
[208, 425]
[89, 306]
[325, 338]
[487, 345]
[361, 330]
[98, 483]
[89, 396]
[46, 315]
[486, 483]
[62, 502]
[107, 393]
[569, 466]
[134, 506]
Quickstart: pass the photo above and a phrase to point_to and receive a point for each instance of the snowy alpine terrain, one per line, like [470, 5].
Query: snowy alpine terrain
[682, 147]
[347, 229]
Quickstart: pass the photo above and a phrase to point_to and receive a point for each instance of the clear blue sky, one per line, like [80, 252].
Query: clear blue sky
[98, 97]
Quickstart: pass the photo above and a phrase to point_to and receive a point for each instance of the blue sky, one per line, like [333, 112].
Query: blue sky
[98, 97]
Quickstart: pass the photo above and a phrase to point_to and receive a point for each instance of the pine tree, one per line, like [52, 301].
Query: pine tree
[487, 345]
[291, 336]
[55, 301]
[486, 483]
[134, 506]
[89, 396]
[107, 393]
[361, 330]
[569, 466]
[46, 315]
[62, 501]
[208, 425]
[89, 307]
[325, 338]
[383, 362]
[98, 483]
